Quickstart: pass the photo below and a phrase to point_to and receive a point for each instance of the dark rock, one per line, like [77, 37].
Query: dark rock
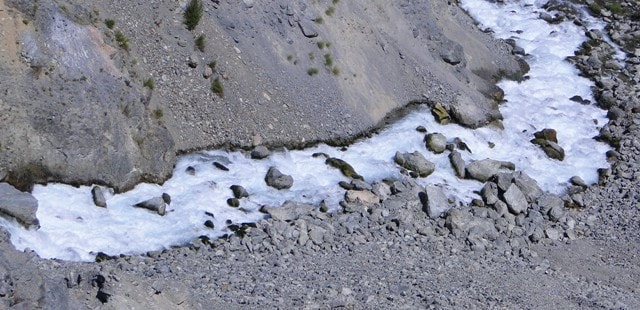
[547, 134]
[345, 185]
[156, 204]
[578, 181]
[239, 191]
[461, 145]
[98, 197]
[209, 224]
[233, 202]
[220, 166]
[19, 205]
[360, 185]
[277, 180]
[260, 152]
[421, 129]
[346, 169]
[190, 170]
[440, 114]
[552, 149]
[415, 162]
[166, 198]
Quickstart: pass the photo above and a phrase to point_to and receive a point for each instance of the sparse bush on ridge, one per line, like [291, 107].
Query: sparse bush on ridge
[312, 71]
[109, 23]
[148, 84]
[216, 87]
[122, 40]
[200, 42]
[192, 14]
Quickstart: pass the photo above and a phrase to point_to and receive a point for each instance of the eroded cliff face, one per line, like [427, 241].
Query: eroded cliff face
[84, 102]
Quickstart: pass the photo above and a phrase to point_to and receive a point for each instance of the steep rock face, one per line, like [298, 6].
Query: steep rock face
[290, 72]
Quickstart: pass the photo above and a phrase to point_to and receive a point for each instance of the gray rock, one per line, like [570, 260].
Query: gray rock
[19, 205]
[552, 149]
[578, 181]
[482, 170]
[98, 197]
[239, 192]
[308, 28]
[552, 205]
[316, 234]
[382, 190]
[501, 208]
[260, 152]
[436, 142]
[156, 204]
[489, 193]
[515, 199]
[503, 180]
[552, 233]
[289, 211]
[435, 203]
[415, 162]
[458, 164]
[277, 180]
[360, 185]
[457, 221]
[528, 186]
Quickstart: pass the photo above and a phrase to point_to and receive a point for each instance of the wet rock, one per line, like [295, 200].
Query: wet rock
[440, 114]
[260, 152]
[547, 134]
[344, 167]
[458, 164]
[515, 199]
[415, 162]
[98, 197]
[436, 142]
[233, 202]
[220, 166]
[528, 186]
[434, 201]
[578, 181]
[482, 170]
[239, 191]
[190, 170]
[155, 204]
[19, 205]
[209, 224]
[277, 180]
[166, 198]
[421, 129]
[552, 149]
[364, 197]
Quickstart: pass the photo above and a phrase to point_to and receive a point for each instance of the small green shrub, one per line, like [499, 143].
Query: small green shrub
[212, 64]
[616, 8]
[289, 58]
[319, 20]
[216, 87]
[330, 11]
[122, 40]
[312, 56]
[158, 113]
[328, 60]
[335, 71]
[192, 14]
[148, 84]
[336, 1]
[321, 45]
[109, 23]
[200, 42]
[25, 21]
[312, 71]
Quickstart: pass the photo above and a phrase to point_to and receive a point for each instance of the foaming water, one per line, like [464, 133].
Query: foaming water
[72, 228]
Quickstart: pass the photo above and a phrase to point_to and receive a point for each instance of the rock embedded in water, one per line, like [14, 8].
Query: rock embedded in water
[515, 199]
[434, 201]
[166, 198]
[440, 114]
[233, 202]
[547, 134]
[19, 205]
[277, 179]
[98, 197]
[346, 169]
[484, 169]
[436, 142]
[156, 204]
[260, 152]
[548, 141]
[220, 166]
[190, 170]
[239, 191]
[415, 162]
[458, 164]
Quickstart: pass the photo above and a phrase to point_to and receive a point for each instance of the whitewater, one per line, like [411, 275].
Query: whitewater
[73, 228]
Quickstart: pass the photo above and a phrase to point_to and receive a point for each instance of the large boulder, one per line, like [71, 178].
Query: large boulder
[277, 179]
[434, 201]
[415, 162]
[484, 169]
[436, 142]
[19, 205]
[515, 199]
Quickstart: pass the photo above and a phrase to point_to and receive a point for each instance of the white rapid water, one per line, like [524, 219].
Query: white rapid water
[72, 228]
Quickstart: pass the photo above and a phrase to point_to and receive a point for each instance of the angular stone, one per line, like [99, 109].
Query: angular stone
[489, 193]
[346, 169]
[435, 202]
[289, 211]
[515, 199]
[415, 162]
[528, 186]
[458, 164]
[239, 192]
[308, 28]
[382, 190]
[260, 152]
[19, 205]
[156, 204]
[365, 197]
[277, 180]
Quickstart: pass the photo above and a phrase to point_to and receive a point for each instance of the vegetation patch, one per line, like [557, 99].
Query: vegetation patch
[192, 14]
[312, 71]
[216, 87]
[148, 84]
[122, 40]
[328, 60]
[200, 42]
[109, 23]
[319, 20]
[330, 11]
[158, 113]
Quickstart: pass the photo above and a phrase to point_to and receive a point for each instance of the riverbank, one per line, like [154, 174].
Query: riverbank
[393, 255]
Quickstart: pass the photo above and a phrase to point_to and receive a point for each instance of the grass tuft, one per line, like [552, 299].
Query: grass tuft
[122, 40]
[312, 71]
[109, 23]
[200, 42]
[192, 14]
[216, 87]
[148, 84]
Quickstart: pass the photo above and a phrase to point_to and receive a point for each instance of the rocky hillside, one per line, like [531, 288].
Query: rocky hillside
[109, 92]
